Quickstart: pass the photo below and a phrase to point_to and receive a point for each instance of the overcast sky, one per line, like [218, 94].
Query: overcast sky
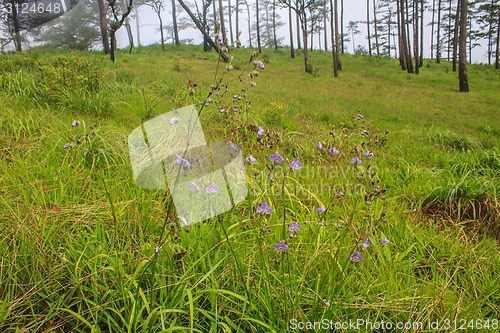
[354, 10]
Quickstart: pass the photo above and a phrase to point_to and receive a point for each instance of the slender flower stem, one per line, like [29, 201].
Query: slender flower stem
[237, 265]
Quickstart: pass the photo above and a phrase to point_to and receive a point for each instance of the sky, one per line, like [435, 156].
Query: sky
[354, 10]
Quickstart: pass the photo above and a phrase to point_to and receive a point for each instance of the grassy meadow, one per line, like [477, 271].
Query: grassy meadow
[84, 249]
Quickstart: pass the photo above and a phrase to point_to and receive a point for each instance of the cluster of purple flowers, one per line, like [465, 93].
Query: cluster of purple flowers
[321, 209]
[356, 257]
[209, 189]
[264, 209]
[276, 158]
[293, 228]
[181, 161]
[78, 140]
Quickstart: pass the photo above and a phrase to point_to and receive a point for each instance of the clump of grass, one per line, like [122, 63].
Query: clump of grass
[449, 140]
[468, 190]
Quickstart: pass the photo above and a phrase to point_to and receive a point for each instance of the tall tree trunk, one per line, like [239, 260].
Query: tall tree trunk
[258, 25]
[298, 31]
[206, 45]
[470, 41]
[490, 30]
[342, 25]
[267, 26]
[497, 64]
[389, 32]
[438, 41]
[402, 56]
[404, 43]
[249, 25]
[161, 32]
[462, 57]
[104, 26]
[215, 12]
[304, 38]
[17, 32]
[337, 37]
[128, 28]
[274, 26]
[174, 19]
[112, 46]
[325, 29]
[415, 37]
[449, 27]
[230, 22]
[237, 10]
[319, 40]
[455, 36]
[222, 23]
[336, 62]
[332, 32]
[138, 27]
[421, 62]
[368, 26]
[376, 28]
[432, 27]
[409, 63]
[292, 51]
[312, 34]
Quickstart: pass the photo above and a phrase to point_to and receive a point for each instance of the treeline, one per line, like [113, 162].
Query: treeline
[392, 28]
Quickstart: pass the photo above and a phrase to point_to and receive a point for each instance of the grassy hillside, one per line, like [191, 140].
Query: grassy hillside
[78, 237]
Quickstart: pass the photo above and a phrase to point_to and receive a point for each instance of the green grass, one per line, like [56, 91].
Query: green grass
[78, 237]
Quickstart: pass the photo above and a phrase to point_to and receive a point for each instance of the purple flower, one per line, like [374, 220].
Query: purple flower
[294, 227]
[235, 96]
[356, 161]
[356, 257]
[269, 176]
[281, 246]
[341, 194]
[185, 163]
[291, 236]
[327, 303]
[368, 154]
[276, 158]
[261, 65]
[333, 151]
[74, 123]
[260, 132]
[174, 120]
[157, 250]
[321, 209]
[320, 146]
[222, 110]
[296, 164]
[250, 159]
[212, 189]
[338, 225]
[384, 241]
[264, 209]
[67, 145]
[386, 132]
[366, 243]
[194, 187]
[233, 147]
[236, 110]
